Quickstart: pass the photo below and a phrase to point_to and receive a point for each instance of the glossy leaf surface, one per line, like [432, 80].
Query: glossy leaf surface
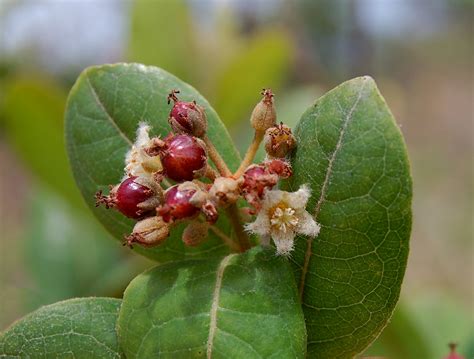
[76, 328]
[352, 154]
[241, 306]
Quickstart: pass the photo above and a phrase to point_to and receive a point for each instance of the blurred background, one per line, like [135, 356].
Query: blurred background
[420, 52]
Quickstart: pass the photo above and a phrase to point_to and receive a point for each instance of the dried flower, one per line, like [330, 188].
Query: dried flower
[256, 181]
[279, 141]
[225, 191]
[148, 232]
[279, 167]
[138, 162]
[282, 216]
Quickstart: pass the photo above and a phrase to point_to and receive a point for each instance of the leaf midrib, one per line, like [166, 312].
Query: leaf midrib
[108, 115]
[215, 303]
[324, 188]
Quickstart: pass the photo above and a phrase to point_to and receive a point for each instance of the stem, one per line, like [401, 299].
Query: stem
[211, 173]
[226, 239]
[250, 155]
[216, 158]
[242, 237]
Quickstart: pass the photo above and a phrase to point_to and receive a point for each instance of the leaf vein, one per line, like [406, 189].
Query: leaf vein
[109, 117]
[215, 303]
[325, 185]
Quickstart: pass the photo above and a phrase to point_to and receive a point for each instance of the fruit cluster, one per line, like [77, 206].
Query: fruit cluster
[201, 191]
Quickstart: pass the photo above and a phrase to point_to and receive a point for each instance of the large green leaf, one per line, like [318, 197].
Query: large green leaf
[351, 153]
[242, 306]
[102, 115]
[76, 328]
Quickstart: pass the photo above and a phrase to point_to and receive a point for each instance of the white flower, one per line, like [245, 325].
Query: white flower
[282, 216]
[137, 161]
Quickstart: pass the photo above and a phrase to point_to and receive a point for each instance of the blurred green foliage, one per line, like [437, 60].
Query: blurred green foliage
[161, 35]
[65, 250]
[33, 121]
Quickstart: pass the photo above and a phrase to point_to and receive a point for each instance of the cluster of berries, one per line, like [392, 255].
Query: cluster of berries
[182, 157]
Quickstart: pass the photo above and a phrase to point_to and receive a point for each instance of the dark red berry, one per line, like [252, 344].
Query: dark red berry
[179, 113]
[183, 158]
[187, 117]
[177, 205]
[129, 195]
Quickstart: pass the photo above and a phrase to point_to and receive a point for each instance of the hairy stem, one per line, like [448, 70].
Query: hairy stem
[250, 155]
[242, 237]
[216, 158]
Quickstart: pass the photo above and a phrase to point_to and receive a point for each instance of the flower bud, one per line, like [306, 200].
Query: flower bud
[195, 233]
[225, 191]
[148, 232]
[264, 114]
[279, 141]
[187, 117]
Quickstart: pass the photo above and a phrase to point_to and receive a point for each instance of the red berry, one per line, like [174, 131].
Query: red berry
[179, 113]
[177, 205]
[183, 158]
[187, 117]
[129, 195]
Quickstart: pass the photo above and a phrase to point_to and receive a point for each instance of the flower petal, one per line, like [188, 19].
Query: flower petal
[284, 242]
[261, 226]
[307, 225]
[299, 198]
[271, 199]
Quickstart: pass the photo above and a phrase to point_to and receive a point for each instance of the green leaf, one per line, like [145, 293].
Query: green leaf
[102, 115]
[75, 328]
[241, 306]
[352, 154]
